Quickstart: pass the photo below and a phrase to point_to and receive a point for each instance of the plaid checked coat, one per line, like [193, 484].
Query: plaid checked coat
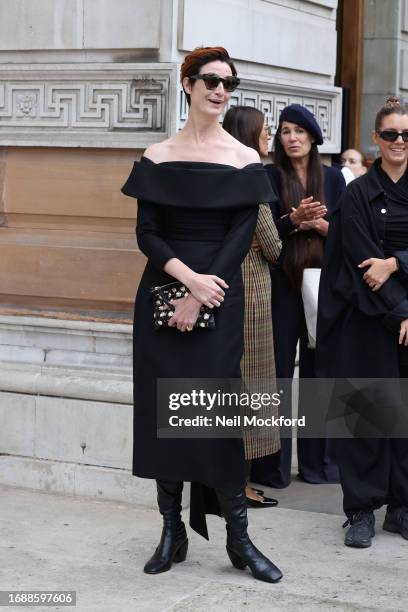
[258, 361]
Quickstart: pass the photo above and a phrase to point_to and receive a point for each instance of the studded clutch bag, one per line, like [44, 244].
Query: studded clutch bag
[163, 309]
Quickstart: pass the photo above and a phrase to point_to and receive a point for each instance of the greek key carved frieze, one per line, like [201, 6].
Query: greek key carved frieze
[325, 105]
[122, 105]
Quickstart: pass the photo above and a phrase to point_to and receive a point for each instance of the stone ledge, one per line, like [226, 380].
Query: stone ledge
[71, 359]
[80, 480]
[59, 381]
[33, 323]
[75, 479]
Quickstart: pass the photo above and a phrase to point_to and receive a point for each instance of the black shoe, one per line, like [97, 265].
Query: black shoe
[173, 543]
[240, 549]
[396, 521]
[361, 529]
[267, 502]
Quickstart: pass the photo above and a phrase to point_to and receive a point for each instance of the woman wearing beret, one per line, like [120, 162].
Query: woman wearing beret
[198, 195]
[307, 191]
[248, 125]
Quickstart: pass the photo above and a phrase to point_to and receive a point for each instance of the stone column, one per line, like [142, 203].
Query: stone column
[385, 61]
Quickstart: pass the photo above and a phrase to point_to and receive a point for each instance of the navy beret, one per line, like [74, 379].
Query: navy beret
[296, 113]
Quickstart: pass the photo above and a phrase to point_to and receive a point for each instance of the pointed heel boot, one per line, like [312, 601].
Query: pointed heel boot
[244, 553]
[236, 559]
[240, 549]
[181, 554]
[173, 543]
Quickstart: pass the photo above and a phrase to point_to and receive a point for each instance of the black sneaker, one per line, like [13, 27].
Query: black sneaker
[361, 529]
[396, 521]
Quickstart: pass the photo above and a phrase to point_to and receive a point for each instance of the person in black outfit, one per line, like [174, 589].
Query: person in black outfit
[362, 329]
[198, 195]
[306, 191]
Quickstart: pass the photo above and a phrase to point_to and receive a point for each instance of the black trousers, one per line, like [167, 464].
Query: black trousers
[315, 455]
[373, 472]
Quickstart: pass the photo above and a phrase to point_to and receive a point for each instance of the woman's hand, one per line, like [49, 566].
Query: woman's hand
[308, 210]
[186, 311]
[379, 271]
[403, 335]
[319, 225]
[208, 289]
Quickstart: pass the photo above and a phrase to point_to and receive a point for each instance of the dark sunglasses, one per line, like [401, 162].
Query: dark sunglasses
[211, 81]
[392, 135]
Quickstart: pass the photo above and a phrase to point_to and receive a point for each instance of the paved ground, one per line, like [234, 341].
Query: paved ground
[98, 548]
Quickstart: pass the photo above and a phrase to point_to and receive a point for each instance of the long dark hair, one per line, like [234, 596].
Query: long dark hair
[303, 249]
[245, 123]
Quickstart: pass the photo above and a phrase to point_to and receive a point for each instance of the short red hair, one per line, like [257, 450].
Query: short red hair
[194, 61]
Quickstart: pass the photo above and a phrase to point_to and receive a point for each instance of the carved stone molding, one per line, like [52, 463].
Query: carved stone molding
[271, 98]
[130, 105]
[89, 105]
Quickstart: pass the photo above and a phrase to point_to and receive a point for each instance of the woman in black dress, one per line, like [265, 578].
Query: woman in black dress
[198, 194]
[362, 329]
[306, 190]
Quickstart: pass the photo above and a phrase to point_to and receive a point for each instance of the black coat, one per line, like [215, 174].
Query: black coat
[357, 329]
[204, 214]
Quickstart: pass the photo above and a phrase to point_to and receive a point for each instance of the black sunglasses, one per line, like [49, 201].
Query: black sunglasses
[211, 81]
[392, 135]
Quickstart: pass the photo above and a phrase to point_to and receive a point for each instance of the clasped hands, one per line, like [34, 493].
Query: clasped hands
[207, 290]
[309, 216]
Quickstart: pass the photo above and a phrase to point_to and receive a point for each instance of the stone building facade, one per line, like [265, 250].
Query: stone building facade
[385, 60]
[85, 86]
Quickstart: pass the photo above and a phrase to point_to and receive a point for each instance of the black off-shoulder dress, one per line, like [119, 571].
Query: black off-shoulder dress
[204, 214]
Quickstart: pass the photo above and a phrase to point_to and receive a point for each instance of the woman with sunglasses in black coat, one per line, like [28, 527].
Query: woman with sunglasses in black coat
[362, 331]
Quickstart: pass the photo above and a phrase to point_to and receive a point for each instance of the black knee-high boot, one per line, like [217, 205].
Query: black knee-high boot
[240, 549]
[173, 543]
